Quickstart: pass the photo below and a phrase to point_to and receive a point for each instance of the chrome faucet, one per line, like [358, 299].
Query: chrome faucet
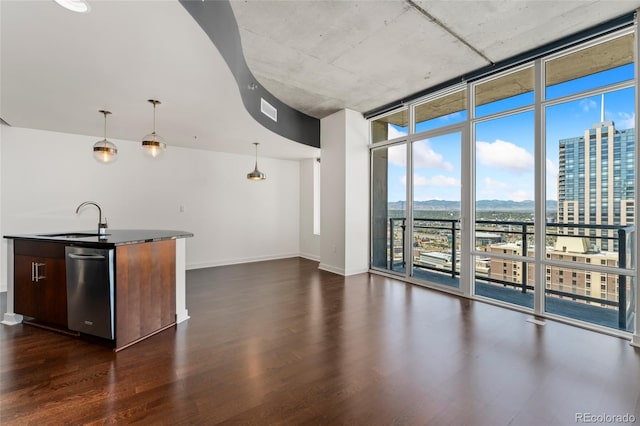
[102, 227]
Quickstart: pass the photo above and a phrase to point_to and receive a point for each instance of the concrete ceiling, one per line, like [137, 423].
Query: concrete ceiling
[323, 56]
[59, 68]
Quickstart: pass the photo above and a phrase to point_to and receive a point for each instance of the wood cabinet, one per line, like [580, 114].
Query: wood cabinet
[145, 286]
[145, 290]
[40, 281]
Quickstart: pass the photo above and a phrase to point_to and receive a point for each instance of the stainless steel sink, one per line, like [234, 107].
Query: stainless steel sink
[75, 235]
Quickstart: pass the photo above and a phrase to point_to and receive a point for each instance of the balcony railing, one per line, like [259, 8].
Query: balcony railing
[523, 231]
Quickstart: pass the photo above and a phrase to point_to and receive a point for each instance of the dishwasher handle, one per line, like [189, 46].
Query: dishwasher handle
[86, 256]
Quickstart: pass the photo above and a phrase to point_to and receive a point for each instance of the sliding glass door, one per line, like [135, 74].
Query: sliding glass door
[388, 208]
[504, 209]
[435, 248]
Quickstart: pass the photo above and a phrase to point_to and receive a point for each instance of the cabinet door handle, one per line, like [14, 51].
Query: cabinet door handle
[33, 271]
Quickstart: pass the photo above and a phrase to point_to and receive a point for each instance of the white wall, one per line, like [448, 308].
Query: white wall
[332, 190]
[344, 244]
[356, 193]
[309, 242]
[45, 175]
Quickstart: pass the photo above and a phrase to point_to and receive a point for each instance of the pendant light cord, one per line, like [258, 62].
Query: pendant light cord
[105, 113]
[154, 102]
[256, 144]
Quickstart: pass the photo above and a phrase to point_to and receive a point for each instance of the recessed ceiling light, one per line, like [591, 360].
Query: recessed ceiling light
[80, 6]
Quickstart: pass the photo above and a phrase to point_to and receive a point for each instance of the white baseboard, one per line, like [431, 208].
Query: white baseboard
[11, 319]
[342, 271]
[333, 269]
[313, 257]
[182, 316]
[357, 271]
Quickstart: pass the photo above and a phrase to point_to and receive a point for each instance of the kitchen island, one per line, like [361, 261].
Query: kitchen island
[147, 269]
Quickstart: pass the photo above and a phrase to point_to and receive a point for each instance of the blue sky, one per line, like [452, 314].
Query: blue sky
[505, 146]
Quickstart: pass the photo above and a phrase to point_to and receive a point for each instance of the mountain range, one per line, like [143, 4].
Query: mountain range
[481, 205]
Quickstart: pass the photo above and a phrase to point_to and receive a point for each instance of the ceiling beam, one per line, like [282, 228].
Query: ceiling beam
[449, 30]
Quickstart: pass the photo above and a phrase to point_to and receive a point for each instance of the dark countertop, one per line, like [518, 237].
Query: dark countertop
[113, 237]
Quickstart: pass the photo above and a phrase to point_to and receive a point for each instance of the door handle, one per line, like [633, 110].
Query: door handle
[86, 256]
[37, 275]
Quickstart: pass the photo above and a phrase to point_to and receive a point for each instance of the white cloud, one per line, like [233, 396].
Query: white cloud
[588, 104]
[393, 133]
[520, 195]
[552, 170]
[453, 116]
[504, 155]
[436, 181]
[425, 156]
[398, 155]
[493, 184]
[627, 121]
[420, 181]
[417, 180]
[495, 189]
[441, 180]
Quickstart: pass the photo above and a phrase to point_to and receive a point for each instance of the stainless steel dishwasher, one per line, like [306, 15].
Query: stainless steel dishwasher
[90, 291]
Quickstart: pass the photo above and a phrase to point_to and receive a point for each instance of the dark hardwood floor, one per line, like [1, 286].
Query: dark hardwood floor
[282, 342]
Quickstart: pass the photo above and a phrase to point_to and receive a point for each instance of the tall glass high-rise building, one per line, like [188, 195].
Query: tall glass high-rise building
[596, 181]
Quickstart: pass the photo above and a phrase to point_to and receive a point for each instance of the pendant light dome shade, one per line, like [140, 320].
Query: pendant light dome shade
[105, 151]
[256, 174]
[153, 144]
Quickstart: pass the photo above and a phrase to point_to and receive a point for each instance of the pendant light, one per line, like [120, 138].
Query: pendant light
[256, 174]
[153, 144]
[105, 151]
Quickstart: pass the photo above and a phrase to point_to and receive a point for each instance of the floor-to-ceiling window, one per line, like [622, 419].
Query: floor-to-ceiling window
[589, 110]
[389, 193]
[415, 215]
[539, 160]
[504, 143]
[436, 164]
[436, 208]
